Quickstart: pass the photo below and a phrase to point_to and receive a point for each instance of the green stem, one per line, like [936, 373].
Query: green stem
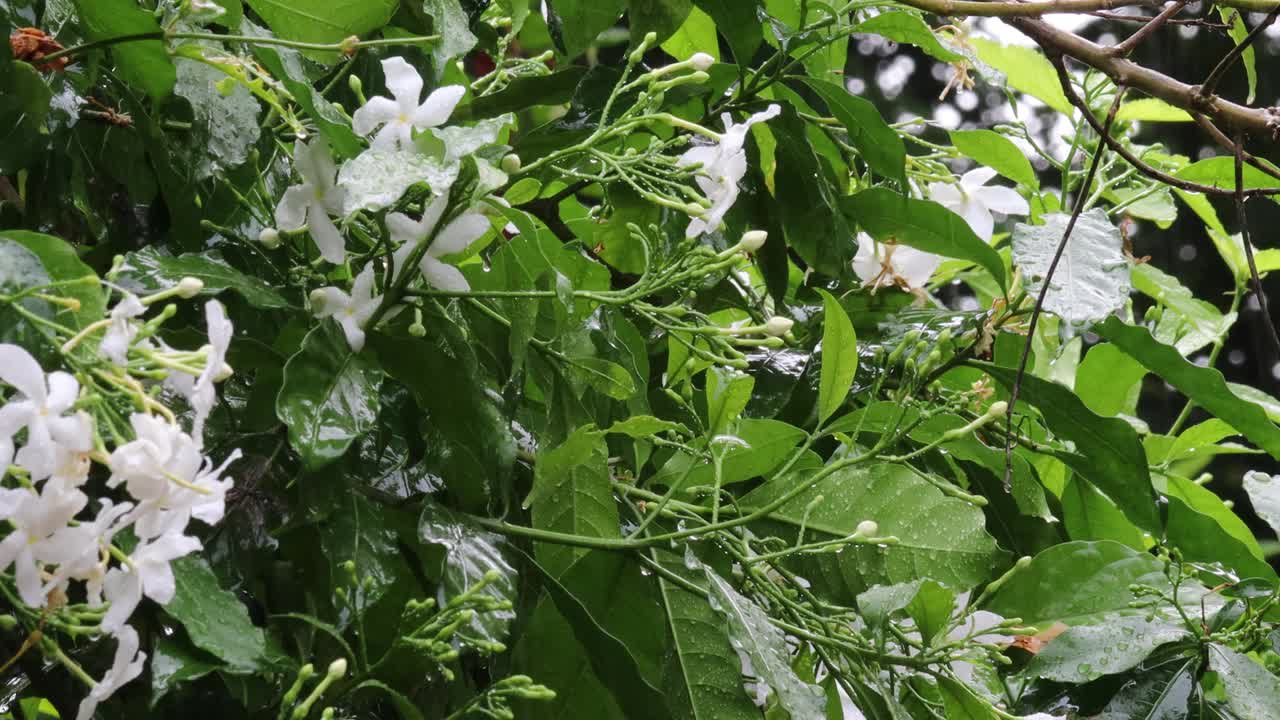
[343, 46]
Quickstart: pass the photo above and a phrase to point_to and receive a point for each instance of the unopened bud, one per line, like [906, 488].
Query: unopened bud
[317, 300]
[753, 240]
[224, 372]
[349, 45]
[8, 622]
[338, 668]
[998, 409]
[778, 326]
[701, 61]
[510, 163]
[225, 86]
[269, 237]
[190, 287]
[867, 528]
[355, 84]
[418, 330]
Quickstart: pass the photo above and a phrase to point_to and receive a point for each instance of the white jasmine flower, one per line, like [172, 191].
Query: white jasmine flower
[351, 311]
[39, 408]
[199, 390]
[886, 264]
[123, 329]
[126, 666]
[311, 202]
[82, 551]
[452, 238]
[723, 165]
[172, 481]
[39, 533]
[148, 573]
[974, 201]
[400, 116]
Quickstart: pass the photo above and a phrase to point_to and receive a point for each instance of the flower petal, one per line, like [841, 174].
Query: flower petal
[291, 213]
[20, 370]
[978, 217]
[63, 389]
[375, 112]
[353, 332]
[404, 83]
[391, 136]
[914, 266]
[458, 234]
[443, 276]
[1003, 199]
[438, 106]
[332, 301]
[404, 229]
[325, 233]
[976, 178]
[946, 194]
[362, 288]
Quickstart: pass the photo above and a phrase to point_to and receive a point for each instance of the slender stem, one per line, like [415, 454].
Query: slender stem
[343, 46]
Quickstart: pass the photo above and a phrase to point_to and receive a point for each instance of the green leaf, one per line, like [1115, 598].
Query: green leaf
[738, 23]
[767, 443]
[1220, 172]
[1203, 323]
[329, 396]
[173, 662]
[142, 63]
[939, 537]
[571, 494]
[593, 596]
[1264, 495]
[526, 91]
[805, 199]
[924, 225]
[710, 673]
[1087, 652]
[323, 21]
[359, 531]
[1162, 692]
[602, 375]
[1252, 691]
[1204, 386]
[443, 375]
[696, 34]
[728, 393]
[961, 702]
[227, 124]
[403, 705]
[1080, 583]
[878, 143]
[1108, 381]
[450, 22]
[62, 264]
[1196, 526]
[661, 17]
[645, 426]
[1238, 31]
[1151, 110]
[1028, 71]
[1087, 514]
[905, 27]
[574, 24]
[839, 357]
[997, 152]
[377, 178]
[471, 553]
[766, 645]
[1092, 279]
[215, 619]
[1108, 452]
[24, 107]
[150, 270]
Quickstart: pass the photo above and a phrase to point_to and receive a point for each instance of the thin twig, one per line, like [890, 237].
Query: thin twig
[1227, 143]
[1243, 219]
[1081, 198]
[1123, 48]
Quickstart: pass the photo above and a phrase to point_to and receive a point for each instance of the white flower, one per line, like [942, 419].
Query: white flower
[701, 61]
[311, 202]
[199, 390]
[886, 264]
[148, 573]
[974, 201]
[723, 165]
[399, 117]
[122, 330]
[452, 238]
[81, 553]
[172, 481]
[39, 409]
[126, 666]
[351, 311]
[39, 535]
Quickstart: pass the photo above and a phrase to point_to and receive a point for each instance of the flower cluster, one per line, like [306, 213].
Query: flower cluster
[53, 433]
[420, 244]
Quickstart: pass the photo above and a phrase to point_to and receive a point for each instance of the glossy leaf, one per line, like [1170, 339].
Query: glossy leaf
[738, 22]
[939, 537]
[329, 396]
[1203, 322]
[574, 24]
[62, 264]
[922, 224]
[839, 357]
[1151, 110]
[806, 200]
[571, 493]
[878, 143]
[763, 446]
[997, 152]
[323, 21]
[470, 554]
[1091, 280]
[1204, 386]
[758, 639]
[143, 63]
[905, 27]
[150, 270]
[1162, 692]
[1086, 652]
[1264, 495]
[1252, 691]
[1027, 70]
[215, 619]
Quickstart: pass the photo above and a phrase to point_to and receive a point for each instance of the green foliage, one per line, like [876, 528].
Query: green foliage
[621, 361]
